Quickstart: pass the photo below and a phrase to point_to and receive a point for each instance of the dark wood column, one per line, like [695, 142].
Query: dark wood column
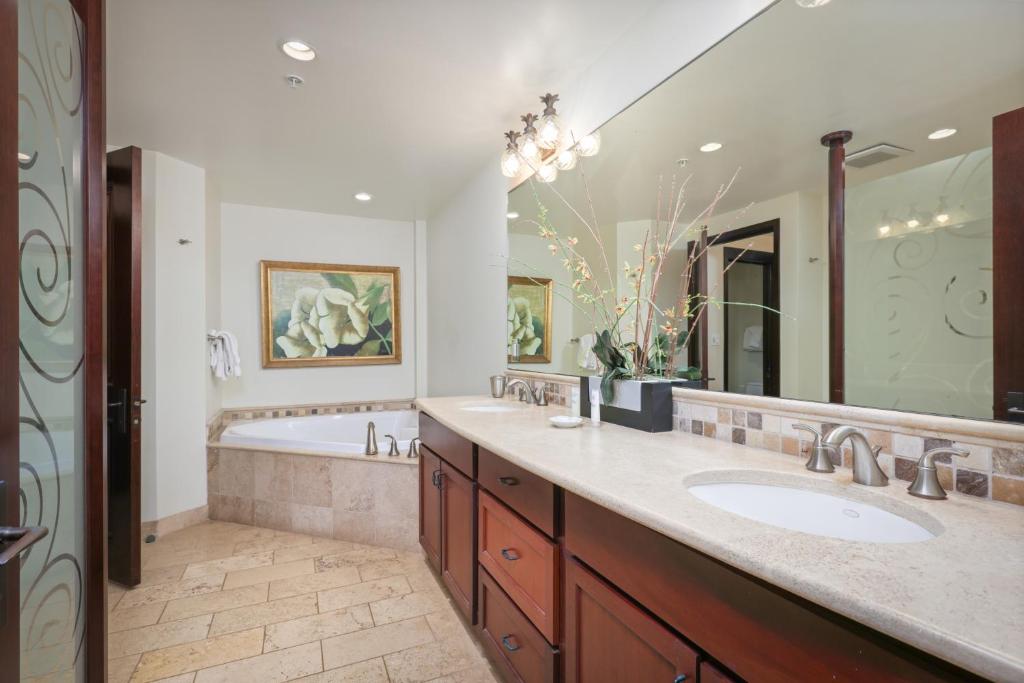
[836, 143]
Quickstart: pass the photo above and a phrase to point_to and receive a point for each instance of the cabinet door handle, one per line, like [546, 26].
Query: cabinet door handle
[436, 478]
[508, 481]
[509, 554]
[509, 643]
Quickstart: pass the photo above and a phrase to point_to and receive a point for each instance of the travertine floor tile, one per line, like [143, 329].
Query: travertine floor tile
[248, 577]
[164, 575]
[406, 606]
[354, 558]
[302, 552]
[370, 671]
[214, 602]
[284, 665]
[134, 617]
[429, 661]
[374, 642]
[310, 583]
[229, 564]
[242, 618]
[172, 591]
[282, 540]
[477, 674]
[369, 591]
[120, 669]
[384, 568]
[199, 655]
[317, 627]
[147, 638]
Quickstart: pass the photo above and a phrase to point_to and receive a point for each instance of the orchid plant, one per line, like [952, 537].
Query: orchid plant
[637, 339]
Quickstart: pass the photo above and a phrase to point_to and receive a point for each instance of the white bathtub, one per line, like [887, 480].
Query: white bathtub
[344, 434]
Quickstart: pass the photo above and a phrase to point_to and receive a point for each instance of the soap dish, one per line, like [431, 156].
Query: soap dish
[565, 421]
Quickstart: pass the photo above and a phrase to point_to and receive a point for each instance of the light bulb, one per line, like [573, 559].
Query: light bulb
[942, 218]
[589, 145]
[547, 173]
[529, 149]
[884, 230]
[942, 133]
[512, 215]
[510, 163]
[297, 49]
[711, 146]
[565, 160]
[913, 223]
[549, 131]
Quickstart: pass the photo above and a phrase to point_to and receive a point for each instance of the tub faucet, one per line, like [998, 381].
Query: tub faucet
[371, 439]
[414, 451]
[393, 451]
[865, 458]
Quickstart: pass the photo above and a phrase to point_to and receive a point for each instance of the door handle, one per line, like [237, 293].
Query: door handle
[14, 539]
[139, 402]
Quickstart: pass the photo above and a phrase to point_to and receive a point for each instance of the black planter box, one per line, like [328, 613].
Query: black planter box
[645, 405]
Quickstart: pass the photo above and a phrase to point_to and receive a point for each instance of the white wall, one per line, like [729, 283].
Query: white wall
[250, 234]
[212, 256]
[173, 336]
[468, 235]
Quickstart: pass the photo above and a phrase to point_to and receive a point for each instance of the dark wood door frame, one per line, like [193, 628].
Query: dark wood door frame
[836, 143]
[1007, 268]
[124, 365]
[769, 321]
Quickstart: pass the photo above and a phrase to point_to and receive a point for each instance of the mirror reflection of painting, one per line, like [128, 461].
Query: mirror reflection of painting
[319, 314]
[529, 319]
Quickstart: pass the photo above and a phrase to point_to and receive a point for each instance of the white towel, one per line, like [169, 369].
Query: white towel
[224, 359]
[753, 338]
[585, 356]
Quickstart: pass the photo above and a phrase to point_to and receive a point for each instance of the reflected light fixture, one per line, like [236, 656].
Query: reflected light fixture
[711, 146]
[545, 146]
[549, 129]
[547, 173]
[510, 161]
[528, 146]
[297, 49]
[913, 223]
[942, 218]
[363, 196]
[589, 145]
[884, 230]
[811, 4]
[512, 215]
[565, 160]
[942, 133]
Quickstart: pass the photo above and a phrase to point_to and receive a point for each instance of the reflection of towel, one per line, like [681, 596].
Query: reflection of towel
[753, 338]
[585, 356]
[224, 359]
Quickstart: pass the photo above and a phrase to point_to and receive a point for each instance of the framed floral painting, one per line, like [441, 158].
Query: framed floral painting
[529, 318]
[322, 314]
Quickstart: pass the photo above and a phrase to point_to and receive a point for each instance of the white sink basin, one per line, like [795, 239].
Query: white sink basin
[490, 408]
[811, 512]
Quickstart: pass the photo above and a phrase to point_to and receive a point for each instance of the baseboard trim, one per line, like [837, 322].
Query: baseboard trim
[175, 522]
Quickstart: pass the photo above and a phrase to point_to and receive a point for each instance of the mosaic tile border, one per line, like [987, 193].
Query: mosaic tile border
[994, 471]
[223, 418]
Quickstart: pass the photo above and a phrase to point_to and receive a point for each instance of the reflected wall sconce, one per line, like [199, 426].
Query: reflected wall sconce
[544, 147]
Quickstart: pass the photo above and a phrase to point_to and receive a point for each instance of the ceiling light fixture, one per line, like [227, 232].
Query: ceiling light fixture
[512, 215]
[545, 146]
[547, 173]
[942, 133]
[296, 49]
[566, 160]
[811, 4]
[711, 146]
[589, 145]
[549, 131]
[363, 196]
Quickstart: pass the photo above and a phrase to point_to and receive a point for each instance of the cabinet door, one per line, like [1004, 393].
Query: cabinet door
[607, 638]
[458, 538]
[430, 507]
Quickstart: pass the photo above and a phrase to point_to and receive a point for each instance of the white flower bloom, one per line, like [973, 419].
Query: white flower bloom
[322, 320]
[520, 326]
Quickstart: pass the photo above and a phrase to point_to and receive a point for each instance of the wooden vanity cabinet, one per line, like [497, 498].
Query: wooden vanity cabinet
[430, 507]
[458, 534]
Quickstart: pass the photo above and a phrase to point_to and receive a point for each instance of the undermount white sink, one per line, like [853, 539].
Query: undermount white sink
[811, 512]
[490, 408]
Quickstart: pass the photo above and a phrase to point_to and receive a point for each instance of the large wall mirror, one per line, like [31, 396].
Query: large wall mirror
[918, 272]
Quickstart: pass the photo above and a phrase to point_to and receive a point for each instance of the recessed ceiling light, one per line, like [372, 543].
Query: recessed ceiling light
[363, 196]
[941, 133]
[296, 49]
[512, 215]
[22, 157]
[811, 4]
[711, 146]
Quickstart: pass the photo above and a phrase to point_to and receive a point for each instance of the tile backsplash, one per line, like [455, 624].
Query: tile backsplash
[225, 417]
[994, 470]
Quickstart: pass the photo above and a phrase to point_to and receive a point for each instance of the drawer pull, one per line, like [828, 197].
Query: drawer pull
[509, 643]
[435, 478]
[508, 481]
[679, 679]
[509, 554]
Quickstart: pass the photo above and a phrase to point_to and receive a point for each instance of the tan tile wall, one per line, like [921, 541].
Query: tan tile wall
[993, 471]
[225, 417]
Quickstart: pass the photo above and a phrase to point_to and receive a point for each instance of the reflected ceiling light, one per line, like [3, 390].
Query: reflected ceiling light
[711, 146]
[528, 146]
[811, 4]
[545, 146]
[941, 133]
[296, 49]
[884, 230]
[363, 196]
[512, 215]
[942, 218]
[547, 173]
[565, 160]
[24, 158]
[510, 161]
[589, 145]
[549, 130]
[913, 223]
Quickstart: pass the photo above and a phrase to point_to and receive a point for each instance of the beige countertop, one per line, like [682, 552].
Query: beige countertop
[959, 596]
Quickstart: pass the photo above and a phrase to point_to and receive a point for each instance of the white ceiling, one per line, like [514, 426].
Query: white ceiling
[405, 100]
[888, 71]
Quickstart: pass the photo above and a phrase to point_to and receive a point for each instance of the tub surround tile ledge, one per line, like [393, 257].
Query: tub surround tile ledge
[958, 596]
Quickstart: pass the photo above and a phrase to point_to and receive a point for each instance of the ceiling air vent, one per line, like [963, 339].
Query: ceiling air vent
[875, 154]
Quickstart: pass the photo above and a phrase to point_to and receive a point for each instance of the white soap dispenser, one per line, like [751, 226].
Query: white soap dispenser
[595, 406]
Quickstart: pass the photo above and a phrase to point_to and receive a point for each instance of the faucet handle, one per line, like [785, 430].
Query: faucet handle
[812, 430]
[393, 451]
[820, 458]
[926, 483]
[413, 450]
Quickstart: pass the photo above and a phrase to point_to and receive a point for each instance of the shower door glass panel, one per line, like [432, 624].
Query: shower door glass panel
[919, 289]
[51, 225]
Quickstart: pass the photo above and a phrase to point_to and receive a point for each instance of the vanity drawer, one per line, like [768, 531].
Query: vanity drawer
[514, 644]
[525, 492]
[523, 561]
[456, 449]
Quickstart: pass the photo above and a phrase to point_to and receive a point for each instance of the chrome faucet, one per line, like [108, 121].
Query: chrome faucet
[820, 459]
[926, 483]
[414, 451]
[393, 451]
[865, 458]
[371, 439]
[529, 395]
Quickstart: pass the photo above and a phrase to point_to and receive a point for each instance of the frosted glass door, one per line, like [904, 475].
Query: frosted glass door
[50, 336]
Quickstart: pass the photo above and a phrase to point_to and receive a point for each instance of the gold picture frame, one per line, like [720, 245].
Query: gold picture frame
[321, 314]
[525, 296]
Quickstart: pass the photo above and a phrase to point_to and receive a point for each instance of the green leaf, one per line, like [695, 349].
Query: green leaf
[342, 281]
[380, 313]
[370, 348]
[372, 296]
